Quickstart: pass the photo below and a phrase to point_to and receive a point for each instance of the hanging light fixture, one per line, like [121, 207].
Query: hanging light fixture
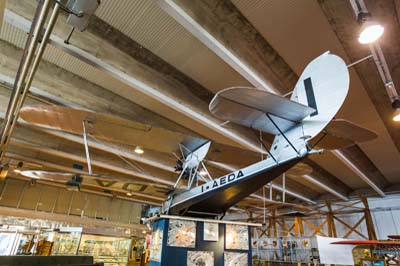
[396, 108]
[370, 32]
[139, 150]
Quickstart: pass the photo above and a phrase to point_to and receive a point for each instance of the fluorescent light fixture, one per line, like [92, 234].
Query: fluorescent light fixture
[139, 150]
[18, 171]
[370, 32]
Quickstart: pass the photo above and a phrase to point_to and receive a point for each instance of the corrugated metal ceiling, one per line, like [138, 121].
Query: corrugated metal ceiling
[18, 38]
[147, 24]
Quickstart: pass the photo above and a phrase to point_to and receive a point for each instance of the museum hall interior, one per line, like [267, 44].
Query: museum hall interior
[199, 132]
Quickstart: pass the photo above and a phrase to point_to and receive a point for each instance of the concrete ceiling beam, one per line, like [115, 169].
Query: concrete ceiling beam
[360, 173]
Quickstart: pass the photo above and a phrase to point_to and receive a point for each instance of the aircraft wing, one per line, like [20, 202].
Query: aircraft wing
[248, 107]
[341, 133]
[108, 128]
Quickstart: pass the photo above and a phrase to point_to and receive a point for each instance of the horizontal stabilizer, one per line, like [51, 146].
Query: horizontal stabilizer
[248, 107]
[341, 133]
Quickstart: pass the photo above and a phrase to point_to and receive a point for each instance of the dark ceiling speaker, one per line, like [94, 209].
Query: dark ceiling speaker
[3, 171]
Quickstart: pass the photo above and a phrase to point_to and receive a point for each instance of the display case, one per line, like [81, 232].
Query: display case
[66, 241]
[24, 243]
[112, 251]
[6, 242]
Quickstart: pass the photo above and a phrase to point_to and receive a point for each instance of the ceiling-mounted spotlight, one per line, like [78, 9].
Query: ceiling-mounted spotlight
[129, 194]
[3, 171]
[370, 30]
[203, 172]
[139, 150]
[396, 109]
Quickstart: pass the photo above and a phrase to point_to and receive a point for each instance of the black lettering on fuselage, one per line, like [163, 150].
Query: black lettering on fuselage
[215, 184]
[223, 180]
[240, 174]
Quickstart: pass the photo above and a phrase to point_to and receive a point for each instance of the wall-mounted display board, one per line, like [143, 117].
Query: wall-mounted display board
[156, 245]
[237, 237]
[211, 232]
[236, 259]
[182, 233]
[193, 241]
[203, 258]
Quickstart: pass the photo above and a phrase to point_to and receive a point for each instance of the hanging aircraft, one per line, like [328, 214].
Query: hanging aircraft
[300, 125]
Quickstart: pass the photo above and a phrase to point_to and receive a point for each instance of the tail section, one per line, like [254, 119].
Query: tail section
[323, 86]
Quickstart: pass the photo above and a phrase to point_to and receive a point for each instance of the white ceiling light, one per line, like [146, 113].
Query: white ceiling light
[370, 32]
[203, 172]
[396, 115]
[139, 150]
[128, 194]
[396, 108]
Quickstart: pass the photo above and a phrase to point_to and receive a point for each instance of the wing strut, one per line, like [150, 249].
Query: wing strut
[265, 148]
[283, 134]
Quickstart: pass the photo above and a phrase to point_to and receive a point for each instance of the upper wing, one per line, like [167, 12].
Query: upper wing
[249, 106]
[106, 127]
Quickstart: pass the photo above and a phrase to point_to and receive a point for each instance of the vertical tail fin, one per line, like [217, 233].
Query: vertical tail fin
[323, 85]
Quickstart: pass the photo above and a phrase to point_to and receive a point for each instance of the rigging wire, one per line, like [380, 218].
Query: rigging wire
[120, 154]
